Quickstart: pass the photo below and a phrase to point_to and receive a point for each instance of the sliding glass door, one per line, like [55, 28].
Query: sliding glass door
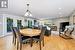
[29, 24]
[9, 24]
[19, 23]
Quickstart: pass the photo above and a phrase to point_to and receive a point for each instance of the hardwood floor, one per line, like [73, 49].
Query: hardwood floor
[51, 43]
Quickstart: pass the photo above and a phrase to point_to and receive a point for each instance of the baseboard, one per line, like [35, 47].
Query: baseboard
[1, 36]
[8, 34]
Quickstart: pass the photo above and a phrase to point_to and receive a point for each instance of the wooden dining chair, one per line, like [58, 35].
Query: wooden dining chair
[14, 35]
[67, 34]
[40, 37]
[63, 32]
[20, 38]
[48, 32]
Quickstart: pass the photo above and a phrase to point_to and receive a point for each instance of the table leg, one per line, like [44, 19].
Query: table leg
[31, 42]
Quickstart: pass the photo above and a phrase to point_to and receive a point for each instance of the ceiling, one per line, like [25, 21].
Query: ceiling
[41, 9]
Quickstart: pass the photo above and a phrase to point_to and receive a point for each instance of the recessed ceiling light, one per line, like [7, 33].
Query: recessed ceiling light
[60, 8]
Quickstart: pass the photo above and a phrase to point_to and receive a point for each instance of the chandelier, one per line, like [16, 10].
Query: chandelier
[28, 13]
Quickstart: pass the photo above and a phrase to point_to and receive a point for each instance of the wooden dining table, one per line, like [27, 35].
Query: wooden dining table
[30, 32]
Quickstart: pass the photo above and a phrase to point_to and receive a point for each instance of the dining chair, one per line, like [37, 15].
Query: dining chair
[20, 38]
[48, 32]
[63, 31]
[14, 35]
[40, 37]
[40, 27]
[67, 33]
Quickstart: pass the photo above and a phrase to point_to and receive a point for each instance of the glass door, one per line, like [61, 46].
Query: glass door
[9, 24]
[29, 24]
[19, 23]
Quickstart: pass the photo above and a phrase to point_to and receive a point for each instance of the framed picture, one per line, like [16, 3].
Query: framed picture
[3, 3]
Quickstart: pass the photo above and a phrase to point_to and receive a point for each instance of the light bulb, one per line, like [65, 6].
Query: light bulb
[26, 14]
[30, 15]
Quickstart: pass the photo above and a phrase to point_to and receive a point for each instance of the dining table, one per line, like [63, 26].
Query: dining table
[30, 32]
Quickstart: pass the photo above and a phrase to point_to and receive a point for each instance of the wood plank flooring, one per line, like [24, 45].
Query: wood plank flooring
[51, 43]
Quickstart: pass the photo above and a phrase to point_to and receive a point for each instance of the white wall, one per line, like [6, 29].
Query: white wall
[1, 25]
[71, 19]
[50, 22]
[41, 22]
[71, 24]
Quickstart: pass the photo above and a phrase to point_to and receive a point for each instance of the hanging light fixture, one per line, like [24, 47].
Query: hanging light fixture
[28, 13]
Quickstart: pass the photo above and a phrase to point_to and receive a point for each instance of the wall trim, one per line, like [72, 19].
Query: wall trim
[8, 34]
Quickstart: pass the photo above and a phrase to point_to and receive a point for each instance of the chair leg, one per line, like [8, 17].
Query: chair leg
[15, 41]
[40, 44]
[20, 46]
[31, 42]
[17, 45]
[43, 41]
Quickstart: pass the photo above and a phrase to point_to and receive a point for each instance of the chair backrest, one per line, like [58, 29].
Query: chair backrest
[50, 30]
[69, 32]
[42, 32]
[72, 31]
[40, 27]
[13, 31]
[18, 34]
[65, 30]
